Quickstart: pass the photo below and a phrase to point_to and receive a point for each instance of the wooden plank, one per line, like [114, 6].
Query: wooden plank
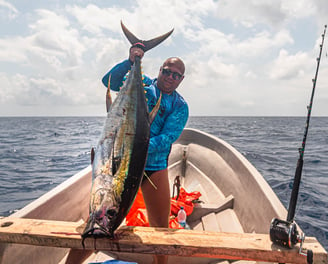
[257, 247]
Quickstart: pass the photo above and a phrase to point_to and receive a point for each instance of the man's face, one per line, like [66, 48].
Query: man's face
[170, 76]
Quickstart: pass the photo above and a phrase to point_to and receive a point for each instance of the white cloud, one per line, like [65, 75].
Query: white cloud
[7, 10]
[262, 43]
[254, 12]
[274, 14]
[299, 8]
[13, 49]
[53, 36]
[94, 19]
[289, 66]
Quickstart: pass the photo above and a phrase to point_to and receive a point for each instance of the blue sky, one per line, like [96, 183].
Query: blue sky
[243, 58]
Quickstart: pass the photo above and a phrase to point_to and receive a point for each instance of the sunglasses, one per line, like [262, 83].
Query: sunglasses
[175, 76]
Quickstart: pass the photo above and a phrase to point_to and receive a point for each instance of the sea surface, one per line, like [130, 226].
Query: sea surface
[38, 153]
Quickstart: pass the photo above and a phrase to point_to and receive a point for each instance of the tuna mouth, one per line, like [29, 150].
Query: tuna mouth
[99, 225]
[97, 230]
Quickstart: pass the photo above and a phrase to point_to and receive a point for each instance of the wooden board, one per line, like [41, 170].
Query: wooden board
[161, 241]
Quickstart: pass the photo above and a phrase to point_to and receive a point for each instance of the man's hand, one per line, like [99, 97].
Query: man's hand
[135, 51]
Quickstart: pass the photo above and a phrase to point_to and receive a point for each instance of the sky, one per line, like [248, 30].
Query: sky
[243, 58]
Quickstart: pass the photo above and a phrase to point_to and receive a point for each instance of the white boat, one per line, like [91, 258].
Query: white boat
[235, 198]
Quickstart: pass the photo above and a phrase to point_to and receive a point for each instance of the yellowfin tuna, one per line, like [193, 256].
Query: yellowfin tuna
[119, 159]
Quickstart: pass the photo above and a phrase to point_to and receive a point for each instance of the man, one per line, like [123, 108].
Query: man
[167, 126]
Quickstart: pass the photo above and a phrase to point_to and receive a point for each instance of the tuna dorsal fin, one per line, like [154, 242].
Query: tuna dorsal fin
[92, 155]
[149, 44]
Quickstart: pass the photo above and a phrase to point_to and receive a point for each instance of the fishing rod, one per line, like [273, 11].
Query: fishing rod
[285, 233]
[298, 172]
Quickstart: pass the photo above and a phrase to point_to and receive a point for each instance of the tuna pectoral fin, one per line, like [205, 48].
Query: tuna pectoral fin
[149, 44]
[153, 112]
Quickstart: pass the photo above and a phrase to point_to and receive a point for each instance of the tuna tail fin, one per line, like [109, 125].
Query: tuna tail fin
[148, 44]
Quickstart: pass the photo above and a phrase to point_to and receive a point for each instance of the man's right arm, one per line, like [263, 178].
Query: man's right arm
[117, 74]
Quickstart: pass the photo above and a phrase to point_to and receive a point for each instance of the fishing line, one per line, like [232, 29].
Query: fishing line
[153, 184]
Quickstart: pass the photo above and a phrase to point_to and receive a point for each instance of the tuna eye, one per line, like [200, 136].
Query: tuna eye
[111, 213]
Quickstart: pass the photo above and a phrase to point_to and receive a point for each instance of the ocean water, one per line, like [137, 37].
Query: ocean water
[38, 153]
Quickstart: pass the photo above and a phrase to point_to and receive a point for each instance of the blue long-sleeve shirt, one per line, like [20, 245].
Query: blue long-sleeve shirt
[169, 122]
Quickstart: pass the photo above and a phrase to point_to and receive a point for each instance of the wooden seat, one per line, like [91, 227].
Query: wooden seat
[210, 223]
[228, 222]
[206, 208]
[224, 221]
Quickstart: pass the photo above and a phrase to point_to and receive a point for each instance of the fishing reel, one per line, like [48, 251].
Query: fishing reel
[284, 233]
